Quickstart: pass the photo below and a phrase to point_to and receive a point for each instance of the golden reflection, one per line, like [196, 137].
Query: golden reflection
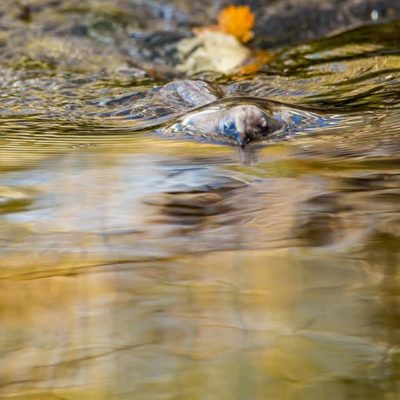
[281, 324]
[141, 276]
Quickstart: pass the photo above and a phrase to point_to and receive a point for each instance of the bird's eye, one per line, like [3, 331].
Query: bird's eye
[228, 127]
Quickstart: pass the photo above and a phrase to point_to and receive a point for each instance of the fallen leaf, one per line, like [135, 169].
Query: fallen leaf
[237, 21]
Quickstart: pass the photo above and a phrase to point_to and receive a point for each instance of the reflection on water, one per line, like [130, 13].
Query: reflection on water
[137, 267]
[132, 274]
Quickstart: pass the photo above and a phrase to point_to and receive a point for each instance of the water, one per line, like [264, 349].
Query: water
[139, 267]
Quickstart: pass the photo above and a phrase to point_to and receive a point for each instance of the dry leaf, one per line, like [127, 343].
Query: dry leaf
[237, 21]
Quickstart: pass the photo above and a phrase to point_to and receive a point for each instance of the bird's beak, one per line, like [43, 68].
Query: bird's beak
[242, 141]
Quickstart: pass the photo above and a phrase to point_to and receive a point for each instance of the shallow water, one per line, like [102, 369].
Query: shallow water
[139, 267]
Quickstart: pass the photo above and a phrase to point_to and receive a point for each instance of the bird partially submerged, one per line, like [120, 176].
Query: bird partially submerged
[247, 122]
[226, 124]
[232, 121]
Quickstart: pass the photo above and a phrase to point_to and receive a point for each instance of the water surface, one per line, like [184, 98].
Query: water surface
[139, 267]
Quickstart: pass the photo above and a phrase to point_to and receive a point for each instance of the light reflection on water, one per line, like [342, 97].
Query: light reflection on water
[136, 274]
[135, 267]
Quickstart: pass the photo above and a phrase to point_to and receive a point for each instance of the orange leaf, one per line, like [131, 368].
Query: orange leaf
[237, 21]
